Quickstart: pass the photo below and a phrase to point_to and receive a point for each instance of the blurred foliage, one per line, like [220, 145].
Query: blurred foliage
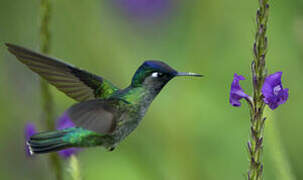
[190, 131]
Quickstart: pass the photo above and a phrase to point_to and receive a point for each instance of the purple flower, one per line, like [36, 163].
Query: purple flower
[29, 130]
[144, 10]
[273, 91]
[66, 153]
[62, 123]
[236, 92]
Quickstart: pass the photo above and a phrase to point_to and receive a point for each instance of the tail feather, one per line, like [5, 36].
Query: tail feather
[48, 135]
[45, 142]
[48, 142]
[52, 148]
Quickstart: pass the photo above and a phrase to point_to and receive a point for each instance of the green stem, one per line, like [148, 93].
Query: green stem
[55, 163]
[277, 151]
[47, 100]
[255, 143]
[74, 168]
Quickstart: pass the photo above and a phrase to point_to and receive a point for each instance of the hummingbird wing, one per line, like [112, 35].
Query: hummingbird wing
[74, 82]
[95, 115]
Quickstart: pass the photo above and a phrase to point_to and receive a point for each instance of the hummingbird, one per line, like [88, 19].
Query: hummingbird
[104, 114]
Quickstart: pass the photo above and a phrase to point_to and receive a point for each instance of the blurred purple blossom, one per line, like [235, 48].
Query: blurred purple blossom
[236, 92]
[29, 130]
[62, 123]
[66, 153]
[273, 91]
[144, 10]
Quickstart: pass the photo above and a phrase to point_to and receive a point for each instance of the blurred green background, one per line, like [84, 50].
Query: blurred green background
[190, 131]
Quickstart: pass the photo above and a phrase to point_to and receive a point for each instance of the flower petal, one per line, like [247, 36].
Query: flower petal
[273, 92]
[271, 81]
[64, 122]
[236, 92]
[66, 153]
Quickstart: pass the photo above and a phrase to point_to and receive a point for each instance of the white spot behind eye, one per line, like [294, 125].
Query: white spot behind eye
[155, 74]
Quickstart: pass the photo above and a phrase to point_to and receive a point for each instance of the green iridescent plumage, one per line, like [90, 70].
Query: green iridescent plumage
[105, 115]
[71, 137]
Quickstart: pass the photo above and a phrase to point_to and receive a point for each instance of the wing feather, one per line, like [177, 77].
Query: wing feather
[94, 115]
[76, 83]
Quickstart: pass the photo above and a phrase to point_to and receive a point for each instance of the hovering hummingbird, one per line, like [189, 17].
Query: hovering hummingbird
[105, 115]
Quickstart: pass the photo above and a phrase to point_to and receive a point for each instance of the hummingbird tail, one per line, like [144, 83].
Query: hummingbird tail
[45, 142]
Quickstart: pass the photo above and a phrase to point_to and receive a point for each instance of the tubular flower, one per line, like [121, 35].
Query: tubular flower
[236, 92]
[273, 91]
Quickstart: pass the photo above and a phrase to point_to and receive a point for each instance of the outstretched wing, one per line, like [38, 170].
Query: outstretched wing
[95, 115]
[74, 82]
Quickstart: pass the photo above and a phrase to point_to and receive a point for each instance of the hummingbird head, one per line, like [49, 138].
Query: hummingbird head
[155, 74]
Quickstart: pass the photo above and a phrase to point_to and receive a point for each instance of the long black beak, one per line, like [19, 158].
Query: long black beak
[188, 74]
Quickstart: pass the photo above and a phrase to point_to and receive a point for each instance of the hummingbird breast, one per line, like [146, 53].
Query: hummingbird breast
[132, 113]
[128, 122]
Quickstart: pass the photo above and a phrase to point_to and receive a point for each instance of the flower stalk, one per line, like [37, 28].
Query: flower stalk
[74, 168]
[276, 149]
[259, 72]
[47, 100]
